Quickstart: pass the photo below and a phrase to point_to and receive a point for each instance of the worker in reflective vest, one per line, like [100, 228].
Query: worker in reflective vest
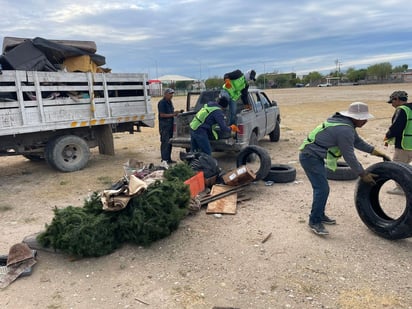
[203, 125]
[400, 132]
[334, 138]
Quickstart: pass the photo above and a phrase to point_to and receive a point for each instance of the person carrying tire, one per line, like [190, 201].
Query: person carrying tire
[400, 132]
[334, 138]
[203, 125]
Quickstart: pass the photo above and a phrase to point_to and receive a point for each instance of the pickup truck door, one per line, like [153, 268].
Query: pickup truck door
[260, 113]
[270, 113]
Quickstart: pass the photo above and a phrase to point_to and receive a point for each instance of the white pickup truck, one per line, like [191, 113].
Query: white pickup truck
[261, 119]
[59, 116]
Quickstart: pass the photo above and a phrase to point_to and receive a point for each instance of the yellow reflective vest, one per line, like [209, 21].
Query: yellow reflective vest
[333, 153]
[201, 116]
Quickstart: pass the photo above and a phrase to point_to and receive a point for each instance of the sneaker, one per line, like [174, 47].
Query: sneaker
[164, 164]
[396, 190]
[327, 220]
[318, 229]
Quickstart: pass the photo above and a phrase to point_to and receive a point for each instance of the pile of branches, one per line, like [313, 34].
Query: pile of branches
[89, 231]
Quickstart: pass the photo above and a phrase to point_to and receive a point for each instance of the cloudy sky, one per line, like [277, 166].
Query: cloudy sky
[205, 38]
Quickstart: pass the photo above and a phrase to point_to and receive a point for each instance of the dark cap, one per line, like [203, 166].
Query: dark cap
[400, 94]
[223, 101]
[169, 90]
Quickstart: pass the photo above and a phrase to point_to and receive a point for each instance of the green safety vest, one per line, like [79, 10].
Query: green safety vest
[406, 142]
[236, 87]
[333, 153]
[201, 116]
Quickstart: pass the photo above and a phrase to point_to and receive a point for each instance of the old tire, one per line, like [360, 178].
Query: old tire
[368, 205]
[342, 172]
[67, 153]
[281, 173]
[274, 136]
[261, 153]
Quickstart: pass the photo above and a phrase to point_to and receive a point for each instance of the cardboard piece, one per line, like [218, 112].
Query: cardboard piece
[224, 205]
[80, 64]
[239, 176]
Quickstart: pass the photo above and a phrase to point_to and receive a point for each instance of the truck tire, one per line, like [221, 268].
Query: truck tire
[264, 157]
[253, 140]
[281, 173]
[274, 136]
[67, 153]
[368, 205]
[342, 172]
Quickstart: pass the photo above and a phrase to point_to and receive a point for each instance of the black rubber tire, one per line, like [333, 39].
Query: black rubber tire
[342, 172]
[369, 208]
[67, 153]
[281, 173]
[264, 157]
[274, 136]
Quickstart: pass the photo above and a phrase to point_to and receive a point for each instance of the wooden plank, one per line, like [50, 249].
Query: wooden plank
[224, 205]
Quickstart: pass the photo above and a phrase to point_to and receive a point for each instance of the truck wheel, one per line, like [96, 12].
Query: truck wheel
[368, 205]
[342, 172]
[281, 173]
[275, 134]
[264, 160]
[253, 140]
[67, 153]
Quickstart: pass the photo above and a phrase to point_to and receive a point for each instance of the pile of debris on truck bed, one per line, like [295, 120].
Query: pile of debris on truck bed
[40, 54]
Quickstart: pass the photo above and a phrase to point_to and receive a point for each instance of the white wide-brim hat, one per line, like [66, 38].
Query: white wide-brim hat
[357, 110]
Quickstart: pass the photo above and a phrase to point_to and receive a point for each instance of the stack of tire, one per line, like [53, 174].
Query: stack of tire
[278, 173]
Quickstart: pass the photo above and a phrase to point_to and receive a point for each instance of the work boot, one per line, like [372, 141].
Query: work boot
[318, 228]
[327, 220]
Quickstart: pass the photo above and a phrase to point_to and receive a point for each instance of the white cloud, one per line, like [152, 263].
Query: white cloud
[180, 36]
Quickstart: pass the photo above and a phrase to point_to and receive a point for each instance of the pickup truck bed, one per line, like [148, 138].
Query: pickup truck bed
[261, 119]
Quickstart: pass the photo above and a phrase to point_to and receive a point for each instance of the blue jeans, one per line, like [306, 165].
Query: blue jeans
[199, 142]
[316, 172]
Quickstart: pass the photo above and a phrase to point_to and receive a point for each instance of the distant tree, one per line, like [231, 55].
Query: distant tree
[380, 71]
[214, 82]
[354, 75]
[400, 68]
[313, 78]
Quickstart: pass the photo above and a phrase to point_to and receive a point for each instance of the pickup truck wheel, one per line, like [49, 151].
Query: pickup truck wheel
[253, 139]
[244, 155]
[281, 173]
[275, 134]
[67, 153]
[342, 172]
[368, 205]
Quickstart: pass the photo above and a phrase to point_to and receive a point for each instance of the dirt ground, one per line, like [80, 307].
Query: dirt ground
[212, 261]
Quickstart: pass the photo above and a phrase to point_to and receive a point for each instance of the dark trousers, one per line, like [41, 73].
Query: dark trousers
[166, 133]
[199, 142]
[316, 172]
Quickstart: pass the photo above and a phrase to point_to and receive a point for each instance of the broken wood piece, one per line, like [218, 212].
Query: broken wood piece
[225, 204]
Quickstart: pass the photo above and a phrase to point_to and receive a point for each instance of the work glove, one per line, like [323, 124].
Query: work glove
[377, 153]
[234, 128]
[369, 178]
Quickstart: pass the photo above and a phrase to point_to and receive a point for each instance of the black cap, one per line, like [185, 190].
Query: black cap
[223, 101]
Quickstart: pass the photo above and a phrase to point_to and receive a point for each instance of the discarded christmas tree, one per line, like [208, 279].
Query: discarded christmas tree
[90, 231]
